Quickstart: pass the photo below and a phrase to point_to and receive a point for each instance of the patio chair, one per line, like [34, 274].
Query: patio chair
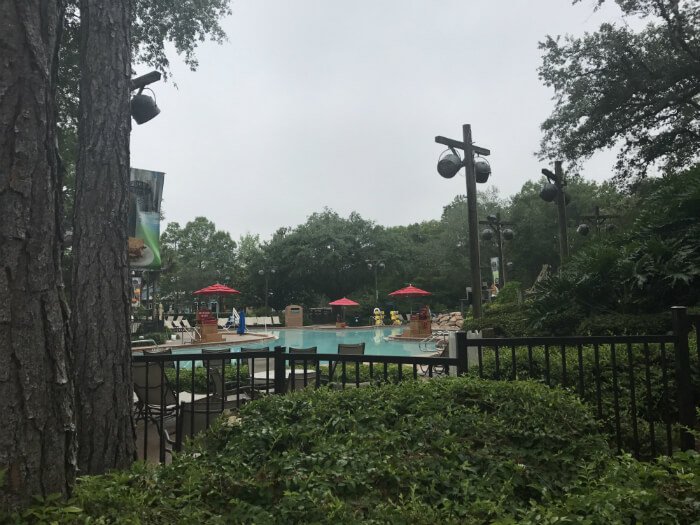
[168, 323]
[267, 321]
[177, 327]
[217, 362]
[299, 381]
[438, 370]
[251, 321]
[276, 321]
[345, 349]
[161, 351]
[197, 417]
[221, 323]
[225, 394]
[156, 398]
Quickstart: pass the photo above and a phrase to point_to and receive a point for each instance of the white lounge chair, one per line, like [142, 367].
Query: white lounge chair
[276, 321]
[221, 323]
[251, 321]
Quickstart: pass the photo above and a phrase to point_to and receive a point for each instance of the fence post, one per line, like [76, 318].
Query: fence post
[686, 403]
[462, 365]
[280, 370]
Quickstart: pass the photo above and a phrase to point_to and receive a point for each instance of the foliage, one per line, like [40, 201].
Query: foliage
[504, 319]
[195, 256]
[605, 378]
[452, 450]
[665, 491]
[510, 293]
[625, 324]
[637, 88]
[655, 264]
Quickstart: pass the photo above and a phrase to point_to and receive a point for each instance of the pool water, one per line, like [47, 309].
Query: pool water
[327, 341]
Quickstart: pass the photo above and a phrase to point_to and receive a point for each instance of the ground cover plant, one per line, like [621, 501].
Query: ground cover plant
[454, 450]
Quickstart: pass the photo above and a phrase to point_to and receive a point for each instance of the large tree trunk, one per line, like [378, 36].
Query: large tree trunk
[100, 293]
[37, 433]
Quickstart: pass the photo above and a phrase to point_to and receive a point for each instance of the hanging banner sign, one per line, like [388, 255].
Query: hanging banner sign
[145, 194]
[494, 270]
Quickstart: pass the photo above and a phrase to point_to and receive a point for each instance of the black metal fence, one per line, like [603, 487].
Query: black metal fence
[644, 389]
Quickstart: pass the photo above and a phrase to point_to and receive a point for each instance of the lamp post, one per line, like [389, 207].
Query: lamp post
[267, 274]
[598, 219]
[375, 264]
[497, 225]
[552, 190]
[478, 171]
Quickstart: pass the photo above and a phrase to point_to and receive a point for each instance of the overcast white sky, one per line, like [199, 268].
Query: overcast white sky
[315, 103]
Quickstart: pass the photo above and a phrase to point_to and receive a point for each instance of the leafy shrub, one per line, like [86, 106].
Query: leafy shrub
[600, 381]
[665, 491]
[505, 319]
[158, 337]
[510, 293]
[625, 324]
[453, 450]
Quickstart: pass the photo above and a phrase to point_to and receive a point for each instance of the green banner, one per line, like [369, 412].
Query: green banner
[145, 194]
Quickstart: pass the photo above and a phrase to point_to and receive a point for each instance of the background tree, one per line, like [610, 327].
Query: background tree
[101, 287]
[635, 88]
[196, 256]
[37, 437]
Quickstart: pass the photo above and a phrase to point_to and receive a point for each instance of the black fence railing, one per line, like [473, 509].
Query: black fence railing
[178, 395]
[644, 390]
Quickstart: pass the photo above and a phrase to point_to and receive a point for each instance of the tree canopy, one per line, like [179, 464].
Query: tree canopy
[634, 89]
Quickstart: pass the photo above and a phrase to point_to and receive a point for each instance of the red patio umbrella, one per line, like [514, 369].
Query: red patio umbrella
[216, 289]
[344, 302]
[410, 291]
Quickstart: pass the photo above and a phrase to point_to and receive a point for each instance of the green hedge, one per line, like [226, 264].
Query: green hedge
[454, 450]
[625, 324]
[504, 319]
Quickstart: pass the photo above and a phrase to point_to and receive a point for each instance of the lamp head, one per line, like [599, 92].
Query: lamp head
[548, 192]
[486, 234]
[143, 108]
[449, 165]
[482, 170]
[508, 234]
[583, 229]
[492, 218]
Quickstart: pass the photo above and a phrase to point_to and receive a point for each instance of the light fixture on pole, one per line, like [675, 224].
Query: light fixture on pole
[267, 274]
[143, 107]
[497, 225]
[598, 219]
[375, 264]
[554, 189]
[478, 171]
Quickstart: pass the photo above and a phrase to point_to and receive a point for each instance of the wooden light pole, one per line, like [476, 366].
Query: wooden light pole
[469, 150]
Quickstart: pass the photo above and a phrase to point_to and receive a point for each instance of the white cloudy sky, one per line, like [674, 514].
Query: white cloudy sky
[315, 103]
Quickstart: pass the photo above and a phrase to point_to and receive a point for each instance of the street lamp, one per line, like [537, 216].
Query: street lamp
[496, 224]
[598, 219]
[375, 264]
[143, 107]
[267, 274]
[554, 189]
[478, 171]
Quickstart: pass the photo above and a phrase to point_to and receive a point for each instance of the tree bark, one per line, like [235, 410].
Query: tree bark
[100, 276]
[37, 434]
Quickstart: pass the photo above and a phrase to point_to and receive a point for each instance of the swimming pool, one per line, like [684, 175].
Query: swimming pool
[327, 341]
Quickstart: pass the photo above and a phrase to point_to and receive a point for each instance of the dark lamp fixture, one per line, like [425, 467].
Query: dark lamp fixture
[508, 234]
[486, 234]
[449, 165]
[143, 107]
[548, 192]
[482, 169]
[583, 229]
